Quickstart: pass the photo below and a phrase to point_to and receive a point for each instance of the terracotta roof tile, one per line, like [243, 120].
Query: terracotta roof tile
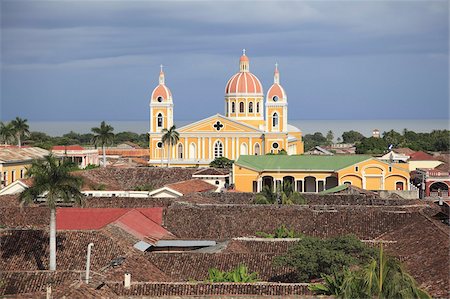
[212, 171]
[192, 186]
[422, 156]
[67, 148]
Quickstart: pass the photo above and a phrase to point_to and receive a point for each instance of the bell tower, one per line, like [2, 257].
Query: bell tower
[276, 106]
[161, 106]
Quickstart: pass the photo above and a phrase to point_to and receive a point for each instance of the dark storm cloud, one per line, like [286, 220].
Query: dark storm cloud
[58, 49]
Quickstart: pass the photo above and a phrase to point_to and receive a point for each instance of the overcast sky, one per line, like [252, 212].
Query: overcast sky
[85, 60]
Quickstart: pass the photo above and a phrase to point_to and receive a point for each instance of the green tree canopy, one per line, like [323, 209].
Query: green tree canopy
[352, 136]
[21, 128]
[221, 162]
[103, 136]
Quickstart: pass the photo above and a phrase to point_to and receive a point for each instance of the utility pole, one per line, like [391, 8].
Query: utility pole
[88, 261]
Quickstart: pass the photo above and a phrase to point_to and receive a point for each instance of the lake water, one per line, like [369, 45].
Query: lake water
[365, 127]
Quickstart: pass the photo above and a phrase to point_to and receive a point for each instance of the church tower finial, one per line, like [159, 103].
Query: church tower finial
[244, 63]
[276, 76]
[161, 75]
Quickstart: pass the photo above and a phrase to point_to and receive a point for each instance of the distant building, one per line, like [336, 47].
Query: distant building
[393, 157]
[376, 133]
[317, 150]
[14, 162]
[342, 148]
[77, 154]
[433, 182]
[309, 173]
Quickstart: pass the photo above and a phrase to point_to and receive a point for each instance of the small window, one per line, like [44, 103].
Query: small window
[180, 151]
[233, 107]
[160, 99]
[160, 120]
[275, 145]
[356, 168]
[275, 120]
[390, 168]
[250, 107]
[22, 173]
[347, 183]
[13, 176]
[159, 145]
[275, 98]
[241, 107]
[257, 107]
[217, 182]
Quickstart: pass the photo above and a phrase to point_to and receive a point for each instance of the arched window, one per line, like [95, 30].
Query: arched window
[250, 107]
[192, 151]
[218, 149]
[233, 107]
[180, 151]
[244, 149]
[241, 107]
[160, 120]
[275, 120]
[257, 107]
[257, 149]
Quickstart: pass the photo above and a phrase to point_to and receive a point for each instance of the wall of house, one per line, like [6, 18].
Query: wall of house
[13, 168]
[413, 165]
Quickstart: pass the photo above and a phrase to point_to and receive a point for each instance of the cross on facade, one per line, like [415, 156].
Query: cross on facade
[218, 126]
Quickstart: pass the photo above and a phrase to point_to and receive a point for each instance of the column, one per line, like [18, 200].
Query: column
[238, 150]
[250, 146]
[203, 148]
[226, 147]
[233, 156]
[211, 157]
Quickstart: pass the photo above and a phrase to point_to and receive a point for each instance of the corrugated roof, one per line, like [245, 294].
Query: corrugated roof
[335, 189]
[19, 154]
[300, 162]
[212, 171]
[67, 148]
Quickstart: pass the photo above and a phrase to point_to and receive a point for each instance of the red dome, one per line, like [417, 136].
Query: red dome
[276, 90]
[161, 91]
[244, 82]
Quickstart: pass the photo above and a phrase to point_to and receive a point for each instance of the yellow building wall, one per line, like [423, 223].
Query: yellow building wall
[16, 168]
[370, 175]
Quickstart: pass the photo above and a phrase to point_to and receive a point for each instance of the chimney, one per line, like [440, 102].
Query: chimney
[127, 280]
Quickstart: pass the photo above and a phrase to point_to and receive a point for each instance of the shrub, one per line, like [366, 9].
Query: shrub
[312, 256]
[281, 232]
[239, 274]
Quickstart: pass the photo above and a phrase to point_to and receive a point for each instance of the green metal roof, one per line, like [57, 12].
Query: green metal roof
[334, 189]
[300, 162]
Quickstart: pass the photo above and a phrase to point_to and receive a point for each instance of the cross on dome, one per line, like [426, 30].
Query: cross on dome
[243, 51]
[161, 66]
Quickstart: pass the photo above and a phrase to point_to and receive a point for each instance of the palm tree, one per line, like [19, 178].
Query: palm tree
[21, 128]
[52, 179]
[104, 135]
[6, 132]
[169, 137]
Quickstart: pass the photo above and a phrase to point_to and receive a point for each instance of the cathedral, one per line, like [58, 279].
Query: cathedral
[249, 126]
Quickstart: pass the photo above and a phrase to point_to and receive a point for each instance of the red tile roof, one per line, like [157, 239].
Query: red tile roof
[212, 171]
[138, 225]
[404, 150]
[97, 218]
[422, 156]
[67, 148]
[192, 186]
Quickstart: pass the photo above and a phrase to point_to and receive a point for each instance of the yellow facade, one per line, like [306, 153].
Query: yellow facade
[370, 174]
[12, 172]
[248, 127]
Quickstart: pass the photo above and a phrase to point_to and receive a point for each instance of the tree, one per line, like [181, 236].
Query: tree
[352, 136]
[170, 137]
[330, 137]
[6, 132]
[312, 256]
[372, 145]
[283, 195]
[103, 136]
[221, 162]
[394, 138]
[52, 179]
[312, 140]
[383, 277]
[21, 128]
